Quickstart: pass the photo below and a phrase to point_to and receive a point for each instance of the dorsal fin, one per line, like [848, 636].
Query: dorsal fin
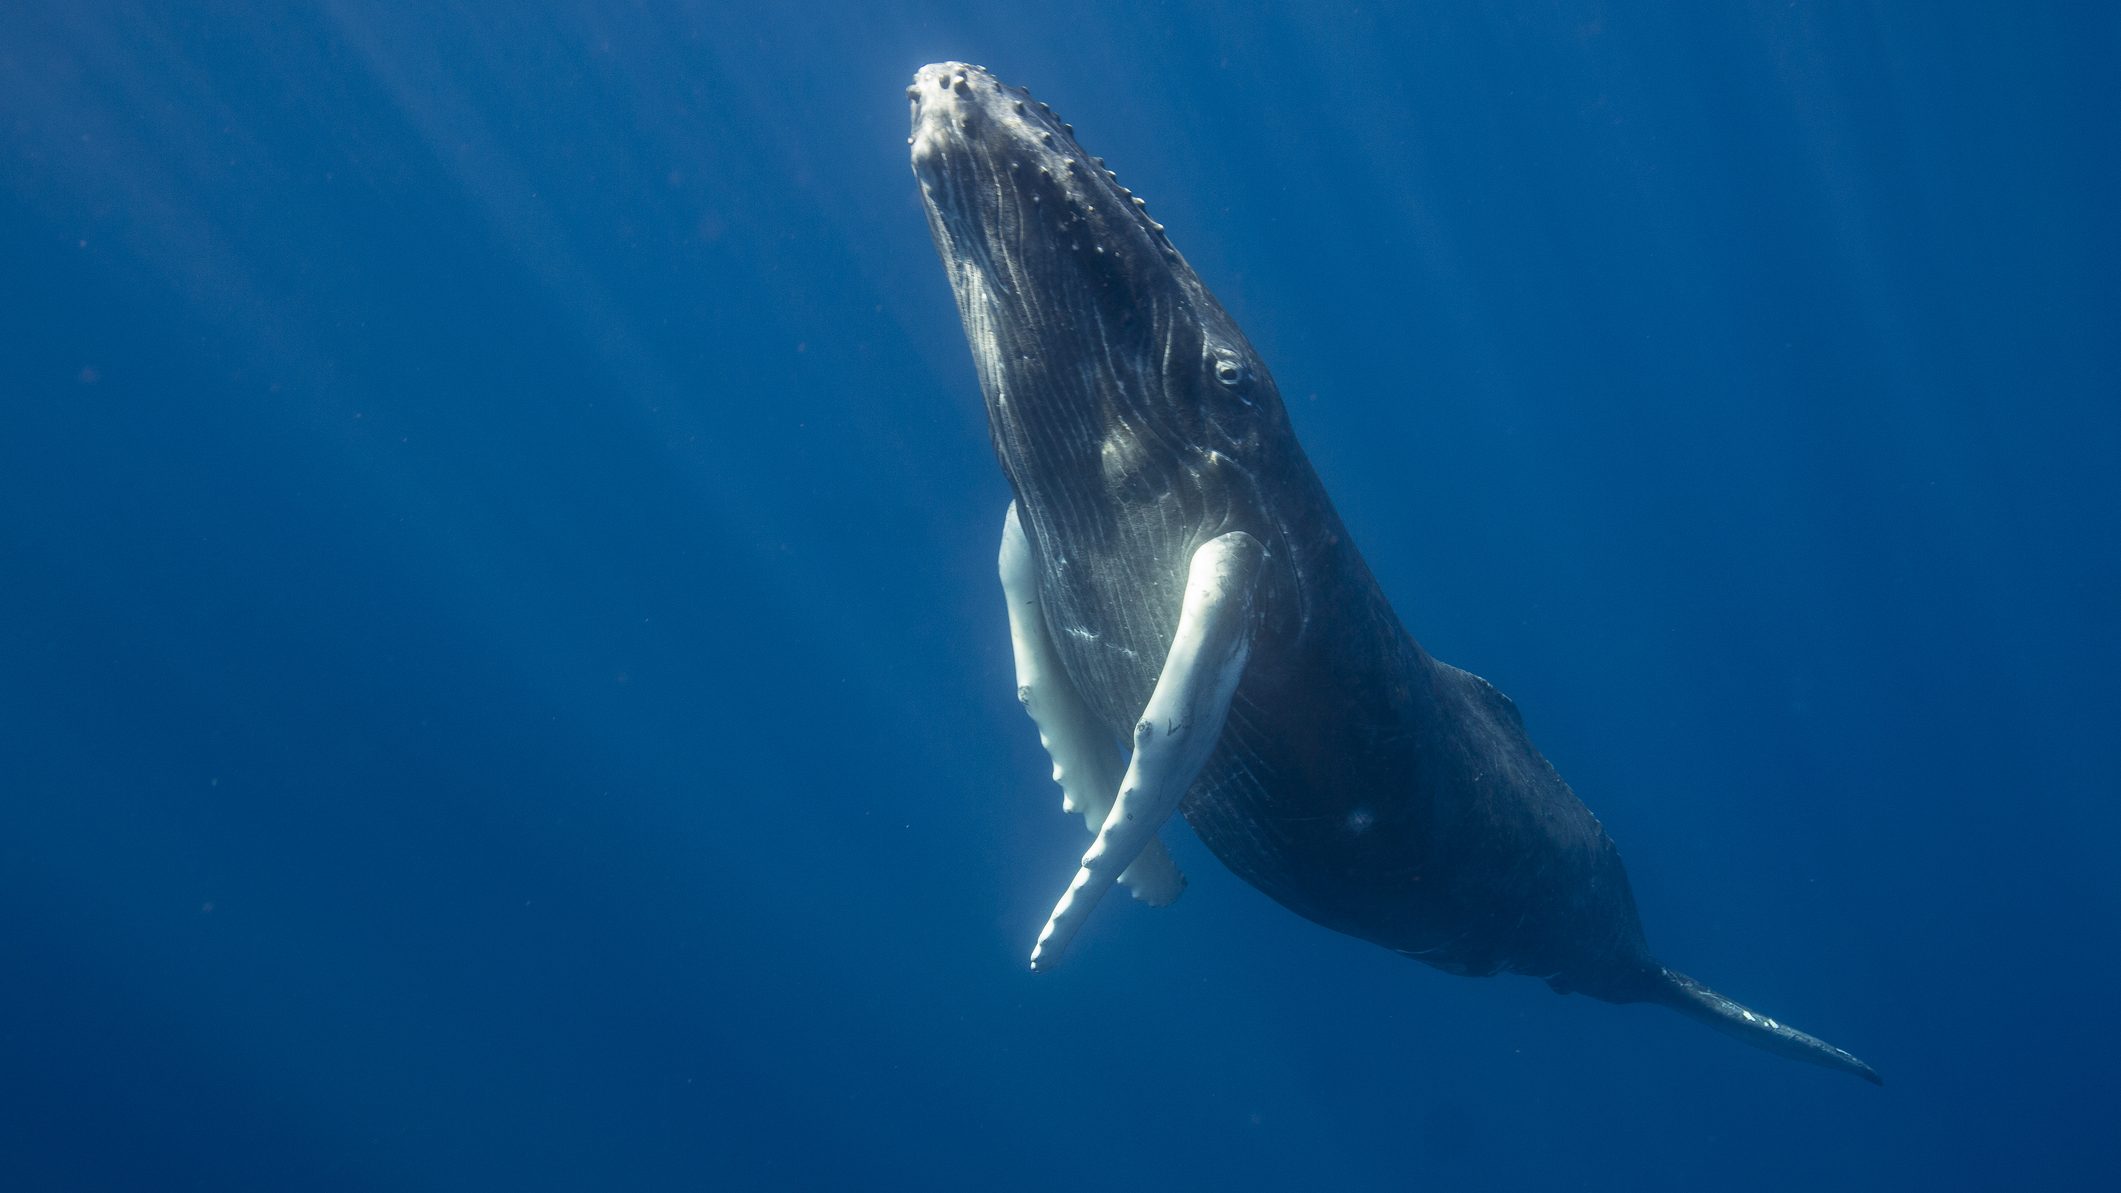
[1489, 694]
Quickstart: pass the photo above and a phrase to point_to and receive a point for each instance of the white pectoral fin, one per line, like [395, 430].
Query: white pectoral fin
[1178, 729]
[1086, 763]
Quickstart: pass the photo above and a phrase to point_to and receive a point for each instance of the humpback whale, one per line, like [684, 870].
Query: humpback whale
[1193, 631]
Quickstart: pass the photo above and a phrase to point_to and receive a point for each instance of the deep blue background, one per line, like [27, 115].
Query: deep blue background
[502, 684]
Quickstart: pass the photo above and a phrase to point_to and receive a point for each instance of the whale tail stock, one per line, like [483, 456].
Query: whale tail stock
[1691, 998]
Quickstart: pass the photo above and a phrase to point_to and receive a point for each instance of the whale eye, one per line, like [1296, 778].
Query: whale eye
[1229, 372]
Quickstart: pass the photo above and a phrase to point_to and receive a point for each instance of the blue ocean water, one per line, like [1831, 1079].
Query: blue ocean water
[502, 684]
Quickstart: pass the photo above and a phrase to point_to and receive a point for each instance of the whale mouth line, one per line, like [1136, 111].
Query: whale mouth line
[1097, 345]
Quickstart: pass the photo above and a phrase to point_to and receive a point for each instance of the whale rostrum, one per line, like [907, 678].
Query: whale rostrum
[1178, 584]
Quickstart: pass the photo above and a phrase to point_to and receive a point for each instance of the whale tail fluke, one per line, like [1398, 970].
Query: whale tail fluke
[1690, 997]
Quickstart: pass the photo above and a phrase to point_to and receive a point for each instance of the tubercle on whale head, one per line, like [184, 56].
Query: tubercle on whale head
[1081, 314]
[966, 121]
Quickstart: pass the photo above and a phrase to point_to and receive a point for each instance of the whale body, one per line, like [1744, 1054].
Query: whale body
[1178, 581]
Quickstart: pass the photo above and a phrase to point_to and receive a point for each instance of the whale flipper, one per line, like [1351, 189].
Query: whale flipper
[1086, 761]
[1177, 730]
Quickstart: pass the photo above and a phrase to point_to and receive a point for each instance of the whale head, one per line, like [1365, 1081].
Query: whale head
[1100, 353]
